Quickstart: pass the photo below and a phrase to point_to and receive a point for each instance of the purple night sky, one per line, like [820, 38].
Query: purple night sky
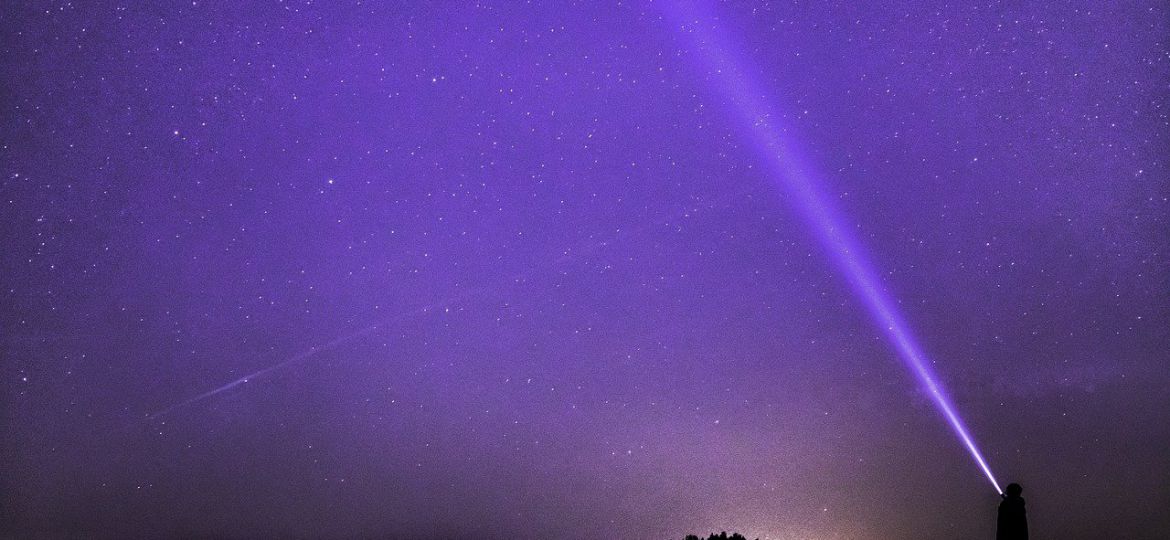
[454, 270]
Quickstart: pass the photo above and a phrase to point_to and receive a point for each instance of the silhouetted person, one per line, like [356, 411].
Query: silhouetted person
[1013, 522]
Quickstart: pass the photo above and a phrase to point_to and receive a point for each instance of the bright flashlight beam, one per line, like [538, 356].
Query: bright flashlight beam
[795, 180]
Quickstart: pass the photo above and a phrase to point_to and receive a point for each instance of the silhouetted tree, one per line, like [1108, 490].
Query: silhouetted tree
[720, 536]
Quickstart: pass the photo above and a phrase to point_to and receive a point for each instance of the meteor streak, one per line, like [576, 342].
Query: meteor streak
[312, 351]
[582, 250]
[796, 180]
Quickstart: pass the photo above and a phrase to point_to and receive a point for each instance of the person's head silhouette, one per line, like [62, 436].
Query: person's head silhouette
[1012, 523]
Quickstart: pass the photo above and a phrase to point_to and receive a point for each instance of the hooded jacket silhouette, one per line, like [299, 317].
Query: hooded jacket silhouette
[1013, 522]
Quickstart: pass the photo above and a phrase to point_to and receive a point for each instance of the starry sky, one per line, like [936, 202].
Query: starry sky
[456, 270]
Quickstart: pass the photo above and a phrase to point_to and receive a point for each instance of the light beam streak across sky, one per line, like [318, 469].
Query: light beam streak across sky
[584, 249]
[727, 74]
[305, 355]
